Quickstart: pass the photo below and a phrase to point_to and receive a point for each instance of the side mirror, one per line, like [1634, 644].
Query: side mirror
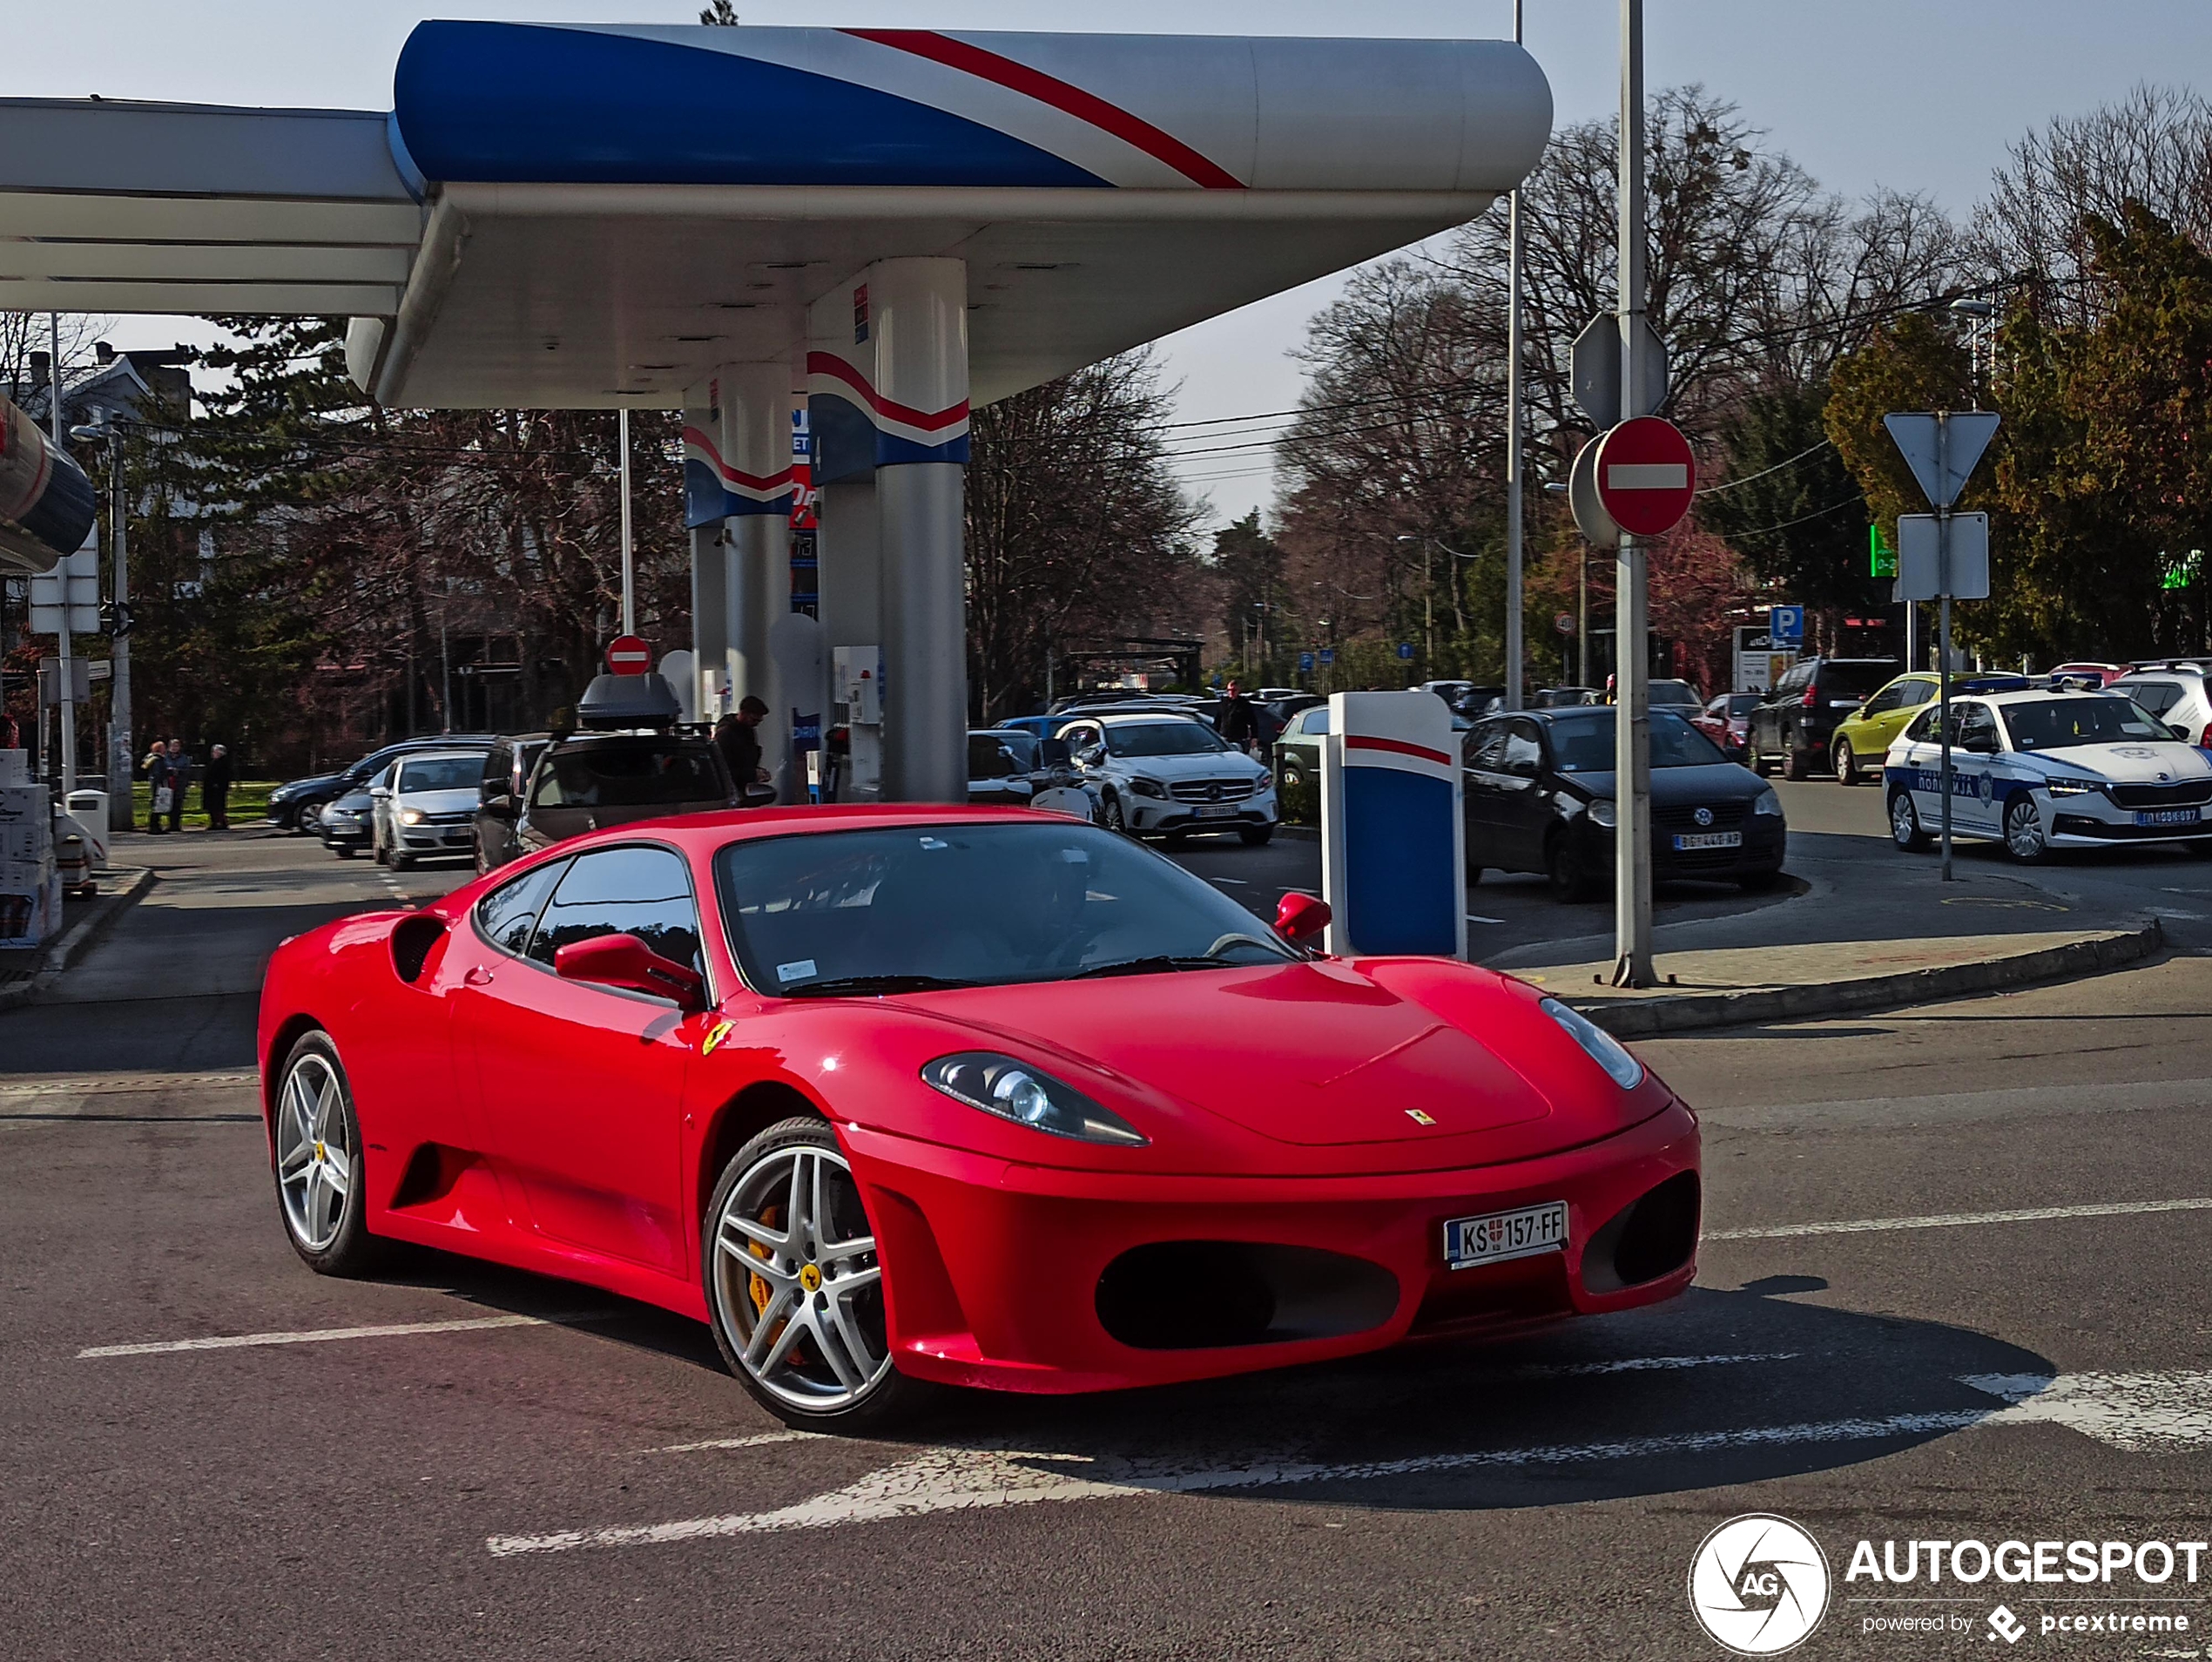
[1091, 756]
[625, 961]
[1301, 917]
[2178, 731]
[1053, 752]
[379, 792]
[500, 805]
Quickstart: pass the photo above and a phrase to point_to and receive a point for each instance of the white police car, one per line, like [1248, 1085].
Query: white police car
[2042, 770]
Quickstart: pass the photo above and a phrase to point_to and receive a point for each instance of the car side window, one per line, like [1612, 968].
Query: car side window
[1485, 747]
[508, 914]
[1922, 730]
[1917, 692]
[1890, 697]
[1524, 751]
[1977, 727]
[641, 891]
[497, 764]
[1315, 720]
[2157, 697]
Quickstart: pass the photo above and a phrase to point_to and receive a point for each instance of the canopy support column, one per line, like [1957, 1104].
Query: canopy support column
[756, 455]
[840, 363]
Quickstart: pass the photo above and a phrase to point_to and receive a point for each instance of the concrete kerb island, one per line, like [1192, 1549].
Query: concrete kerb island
[121, 888]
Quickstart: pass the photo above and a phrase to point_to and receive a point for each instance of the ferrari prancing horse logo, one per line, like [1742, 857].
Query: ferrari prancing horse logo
[1419, 1117]
[720, 1031]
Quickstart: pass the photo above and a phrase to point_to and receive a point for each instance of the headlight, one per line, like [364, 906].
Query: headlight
[1605, 812]
[2072, 786]
[999, 1085]
[1149, 787]
[410, 816]
[1767, 802]
[1604, 1049]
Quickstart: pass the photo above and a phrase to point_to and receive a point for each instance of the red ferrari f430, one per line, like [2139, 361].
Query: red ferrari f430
[898, 1097]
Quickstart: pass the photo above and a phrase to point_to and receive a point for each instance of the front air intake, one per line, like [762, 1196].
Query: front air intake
[1204, 1294]
[1654, 1235]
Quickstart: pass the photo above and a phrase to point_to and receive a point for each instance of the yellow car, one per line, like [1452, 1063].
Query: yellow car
[1863, 737]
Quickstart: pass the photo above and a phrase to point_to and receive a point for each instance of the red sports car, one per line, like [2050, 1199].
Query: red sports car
[977, 1097]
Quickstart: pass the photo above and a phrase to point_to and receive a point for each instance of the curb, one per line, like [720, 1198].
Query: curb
[80, 940]
[1655, 1018]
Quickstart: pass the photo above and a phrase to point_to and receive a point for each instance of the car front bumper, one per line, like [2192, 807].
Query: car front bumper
[348, 833]
[1148, 813]
[1765, 843]
[1015, 1277]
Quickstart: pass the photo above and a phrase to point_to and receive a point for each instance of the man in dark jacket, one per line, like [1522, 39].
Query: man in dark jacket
[215, 788]
[180, 771]
[737, 737]
[1236, 719]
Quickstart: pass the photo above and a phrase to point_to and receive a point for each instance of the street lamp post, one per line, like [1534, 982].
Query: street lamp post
[1512, 432]
[1631, 665]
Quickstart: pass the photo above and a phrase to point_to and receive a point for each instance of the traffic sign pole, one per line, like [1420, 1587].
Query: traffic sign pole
[1631, 649]
[1943, 627]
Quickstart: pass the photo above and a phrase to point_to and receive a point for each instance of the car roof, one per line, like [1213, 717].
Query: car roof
[2037, 695]
[470, 753]
[1137, 717]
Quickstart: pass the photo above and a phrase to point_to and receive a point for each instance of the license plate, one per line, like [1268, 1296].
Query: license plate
[1708, 840]
[2169, 816]
[1500, 1235]
[1221, 811]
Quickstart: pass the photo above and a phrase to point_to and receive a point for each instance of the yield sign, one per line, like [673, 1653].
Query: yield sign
[1645, 475]
[629, 655]
[1941, 448]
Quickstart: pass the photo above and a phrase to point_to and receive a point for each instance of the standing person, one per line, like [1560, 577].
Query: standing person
[156, 781]
[179, 777]
[1236, 719]
[739, 742]
[215, 788]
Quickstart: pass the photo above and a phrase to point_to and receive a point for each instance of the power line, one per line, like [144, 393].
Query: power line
[1730, 484]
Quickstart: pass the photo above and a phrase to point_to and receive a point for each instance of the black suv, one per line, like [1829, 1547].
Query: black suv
[1794, 723]
[591, 781]
[507, 777]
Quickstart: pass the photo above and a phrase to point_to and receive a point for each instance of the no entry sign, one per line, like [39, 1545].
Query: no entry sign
[1645, 475]
[629, 655]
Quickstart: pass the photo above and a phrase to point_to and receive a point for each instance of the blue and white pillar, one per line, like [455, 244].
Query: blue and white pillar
[704, 508]
[756, 464]
[849, 578]
[918, 317]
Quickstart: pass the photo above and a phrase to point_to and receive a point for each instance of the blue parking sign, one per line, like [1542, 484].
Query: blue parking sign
[1786, 625]
[1328, 654]
[1404, 649]
[1305, 663]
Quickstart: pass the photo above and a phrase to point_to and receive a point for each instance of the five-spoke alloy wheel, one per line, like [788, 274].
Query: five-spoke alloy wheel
[793, 1283]
[318, 1160]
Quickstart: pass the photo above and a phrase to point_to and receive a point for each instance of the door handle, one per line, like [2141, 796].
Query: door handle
[477, 976]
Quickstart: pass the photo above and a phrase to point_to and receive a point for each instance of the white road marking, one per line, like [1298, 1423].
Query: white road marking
[320, 1335]
[757, 1439]
[947, 1479]
[1477, 917]
[1958, 1219]
[1238, 883]
[1640, 1364]
[2151, 1414]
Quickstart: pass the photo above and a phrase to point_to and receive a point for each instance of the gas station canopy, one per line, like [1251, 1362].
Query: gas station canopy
[578, 217]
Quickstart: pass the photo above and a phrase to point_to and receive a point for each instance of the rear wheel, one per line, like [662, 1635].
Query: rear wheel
[1752, 760]
[1905, 824]
[1293, 776]
[794, 1285]
[318, 1162]
[1795, 762]
[1846, 763]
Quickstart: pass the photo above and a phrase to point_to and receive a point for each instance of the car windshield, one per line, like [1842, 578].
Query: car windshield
[1161, 738]
[442, 773]
[2053, 723]
[1675, 693]
[1583, 742]
[639, 773]
[909, 908]
[1742, 703]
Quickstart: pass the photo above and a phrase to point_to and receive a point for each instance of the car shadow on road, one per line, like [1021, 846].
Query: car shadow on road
[1720, 1386]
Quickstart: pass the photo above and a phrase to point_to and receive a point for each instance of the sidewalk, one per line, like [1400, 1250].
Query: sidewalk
[84, 923]
[1873, 929]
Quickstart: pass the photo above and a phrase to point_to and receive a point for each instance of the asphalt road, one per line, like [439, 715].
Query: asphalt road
[535, 1470]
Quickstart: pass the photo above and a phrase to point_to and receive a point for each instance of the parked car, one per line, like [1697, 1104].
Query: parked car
[427, 806]
[1539, 796]
[1864, 735]
[1050, 726]
[1794, 725]
[1000, 762]
[2040, 770]
[1297, 747]
[2089, 677]
[2174, 691]
[593, 779]
[348, 823]
[298, 804]
[506, 781]
[1558, 698]
[1172, 775]
[1726, 722]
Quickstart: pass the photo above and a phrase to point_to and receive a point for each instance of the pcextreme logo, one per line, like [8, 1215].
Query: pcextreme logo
[1759, 1585]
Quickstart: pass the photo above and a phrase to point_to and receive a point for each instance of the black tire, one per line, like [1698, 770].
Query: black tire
[350, 1250]
[1752, 760]
[1906, 830]
[1255, 837]
[1758, 882]
[1571, 883]
[1112, 817]
[343, 850]
[401, 862]
[1795, 763]
[1293, 776]
[1846, 761]
[892, 1395]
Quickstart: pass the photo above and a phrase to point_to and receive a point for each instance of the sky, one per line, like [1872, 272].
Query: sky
[1919, 95]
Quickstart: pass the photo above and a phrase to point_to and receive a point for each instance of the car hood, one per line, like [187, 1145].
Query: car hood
[1714, 782]
[1316, 1054]
[454, 801]
[2144, 762]
[291, 788]
[1219, 764]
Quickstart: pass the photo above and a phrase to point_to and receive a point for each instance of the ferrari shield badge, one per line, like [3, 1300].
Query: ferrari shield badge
[720, 1031]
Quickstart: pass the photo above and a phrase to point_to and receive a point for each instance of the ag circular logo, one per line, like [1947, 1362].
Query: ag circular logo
[1759, 1585]
[1703, 816]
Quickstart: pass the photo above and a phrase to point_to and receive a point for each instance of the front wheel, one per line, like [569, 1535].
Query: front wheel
[1114, 819]
[1846, 764]
[318, 1162]
[1569, 884]
[794, 1284]
[1905, 824]
[1255, 837]
[1292, 776]
[2024, 837]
